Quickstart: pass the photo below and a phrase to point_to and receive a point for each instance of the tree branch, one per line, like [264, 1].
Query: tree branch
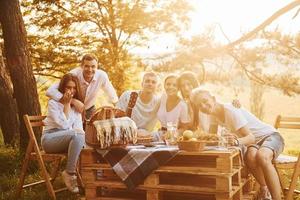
[264, 24]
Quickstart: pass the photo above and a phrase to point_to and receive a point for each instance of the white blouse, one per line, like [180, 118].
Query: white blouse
[178, 114]
[56, 117]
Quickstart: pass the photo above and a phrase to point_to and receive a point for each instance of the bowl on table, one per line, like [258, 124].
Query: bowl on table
[191, 145]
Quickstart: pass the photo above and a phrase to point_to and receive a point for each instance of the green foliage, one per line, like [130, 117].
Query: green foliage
[60, 32]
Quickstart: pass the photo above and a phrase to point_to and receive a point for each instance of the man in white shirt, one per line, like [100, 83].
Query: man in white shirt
[147, 104]
[91, 80]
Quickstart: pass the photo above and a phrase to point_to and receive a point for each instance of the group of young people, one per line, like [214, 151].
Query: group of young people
[75, 96]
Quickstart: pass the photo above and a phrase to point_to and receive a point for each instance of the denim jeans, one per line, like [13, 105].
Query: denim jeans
[64, 141]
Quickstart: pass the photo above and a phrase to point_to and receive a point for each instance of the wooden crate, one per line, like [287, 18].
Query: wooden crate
[189, 175]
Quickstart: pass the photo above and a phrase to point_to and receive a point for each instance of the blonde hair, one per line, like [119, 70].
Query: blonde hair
[197, 91]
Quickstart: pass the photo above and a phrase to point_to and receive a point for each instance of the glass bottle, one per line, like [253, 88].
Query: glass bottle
[171, 133]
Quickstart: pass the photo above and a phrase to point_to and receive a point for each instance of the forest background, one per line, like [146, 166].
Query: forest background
[43, 39]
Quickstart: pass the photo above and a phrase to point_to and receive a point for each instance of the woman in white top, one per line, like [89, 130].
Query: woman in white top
[63, 131]
[172, 108]
[263, 141]
[187, 81]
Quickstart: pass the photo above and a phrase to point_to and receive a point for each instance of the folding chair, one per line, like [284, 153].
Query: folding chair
[33, 152]
[288, 162]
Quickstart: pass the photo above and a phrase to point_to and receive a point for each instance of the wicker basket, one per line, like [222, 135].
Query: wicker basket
[191, 145]
[144, 140]
[211, 142]
[102, 113]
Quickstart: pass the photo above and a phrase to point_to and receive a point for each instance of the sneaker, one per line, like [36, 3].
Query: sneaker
[70, 181]
[264, 194]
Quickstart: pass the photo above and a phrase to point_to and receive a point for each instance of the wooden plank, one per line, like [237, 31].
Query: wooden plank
[88, 156]
[88, 176]
[37, 124]
[161, 190]
[227, 152]
[153, 195]
[290, 119]
[36, 118]
[90, 192]
[152, 180]
[224, 164]
[289, 126]
[195, 172]
[223, 184]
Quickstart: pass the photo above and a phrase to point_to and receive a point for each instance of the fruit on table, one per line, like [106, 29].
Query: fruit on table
[193, 140]
[208, 137]
[187, 134]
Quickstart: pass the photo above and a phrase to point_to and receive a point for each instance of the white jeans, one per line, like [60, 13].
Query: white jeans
[64, 141]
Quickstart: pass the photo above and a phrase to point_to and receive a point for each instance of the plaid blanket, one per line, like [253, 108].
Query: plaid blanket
[133, 165]
[116, 131]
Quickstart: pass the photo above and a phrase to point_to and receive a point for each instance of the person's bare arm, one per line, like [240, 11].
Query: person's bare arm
[78, 105]
[245, 136]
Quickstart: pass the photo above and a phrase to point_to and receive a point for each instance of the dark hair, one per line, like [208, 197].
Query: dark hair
[63, 82]
[88, 57]
[190, 76]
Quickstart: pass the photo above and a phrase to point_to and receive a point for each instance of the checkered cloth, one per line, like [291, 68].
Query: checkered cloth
[135, 164]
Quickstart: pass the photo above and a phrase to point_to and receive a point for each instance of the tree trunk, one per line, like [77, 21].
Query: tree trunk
[18, 63]
[9, 122]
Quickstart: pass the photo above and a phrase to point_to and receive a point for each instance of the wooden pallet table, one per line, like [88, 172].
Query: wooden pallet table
[189, 175]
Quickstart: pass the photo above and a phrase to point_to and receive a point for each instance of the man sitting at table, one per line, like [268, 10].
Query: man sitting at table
[263, 141]
[146, 106]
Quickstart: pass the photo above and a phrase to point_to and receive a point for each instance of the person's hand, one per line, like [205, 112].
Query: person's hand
[236, 103]
[67, 97]
[229, 138]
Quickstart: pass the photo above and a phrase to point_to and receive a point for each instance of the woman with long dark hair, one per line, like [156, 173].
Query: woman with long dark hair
[63, 131]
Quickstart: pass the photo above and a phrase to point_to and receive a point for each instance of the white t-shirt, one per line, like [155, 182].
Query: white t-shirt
[91, 90]
[236, 118]
[56, 117]
[205, 121]
[178, 114]
[144, 115]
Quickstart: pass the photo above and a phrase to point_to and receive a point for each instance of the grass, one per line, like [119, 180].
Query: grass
[10, 165]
